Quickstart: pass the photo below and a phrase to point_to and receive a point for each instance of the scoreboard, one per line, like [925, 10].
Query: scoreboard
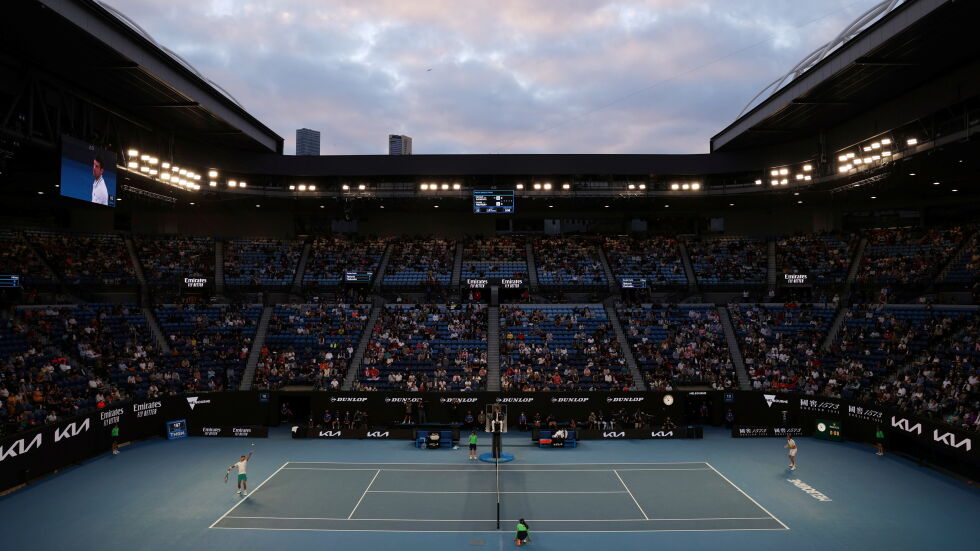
[633, 283]
[493, 201]
[9, 281]
[358, 277]
[828, 430]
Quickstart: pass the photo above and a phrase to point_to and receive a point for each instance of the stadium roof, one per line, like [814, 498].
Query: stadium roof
[898, 50]
[93, 47]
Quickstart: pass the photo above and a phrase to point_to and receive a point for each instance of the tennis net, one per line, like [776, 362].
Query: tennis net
[496, 465]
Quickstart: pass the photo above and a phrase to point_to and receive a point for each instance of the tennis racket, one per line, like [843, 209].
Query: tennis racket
[226, 476]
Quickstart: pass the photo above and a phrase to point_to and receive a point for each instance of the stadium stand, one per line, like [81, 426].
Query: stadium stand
[58, 361]
[568, 262]
[965, 269]
[87, 259]
[331, 257]
[824, 258]
[261, 262]
[210, 341]
[167, 259]
[310, 344]
[657, 259]
[498, 257]
[421, 262]
[780, 344]
[909, 257]
[920, 358]
[678, 345]
[728, 261]
[560, 347]
[16, 257]
[423, 347]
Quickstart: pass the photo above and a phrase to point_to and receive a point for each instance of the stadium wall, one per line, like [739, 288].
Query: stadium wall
[31, 454]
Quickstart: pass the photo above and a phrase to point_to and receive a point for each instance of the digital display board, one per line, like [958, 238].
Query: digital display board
[88, 173]
[358, 277]
[493, 201]
[9, 281]
[633, 283]
[828, 430]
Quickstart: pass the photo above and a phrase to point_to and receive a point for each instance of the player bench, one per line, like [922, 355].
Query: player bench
[546, 441]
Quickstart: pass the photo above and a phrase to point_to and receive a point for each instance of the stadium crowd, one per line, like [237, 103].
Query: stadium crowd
[560, 348]
[568, 261]
[425, 262]
[425, 347]
[907, 256]
[729, 261]
[166, 260]
[780, 344]
[657, 259]
[678, 345]
[59, 361]
[261, 262]
[86, 259]
[503, 257]
[826, 259]
[310, 344]
[332, 257]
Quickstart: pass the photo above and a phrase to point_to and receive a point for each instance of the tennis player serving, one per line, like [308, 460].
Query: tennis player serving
[791, 446]
[242, 477]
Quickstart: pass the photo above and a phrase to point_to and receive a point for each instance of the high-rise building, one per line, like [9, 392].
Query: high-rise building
[399, 145]
[307, 142]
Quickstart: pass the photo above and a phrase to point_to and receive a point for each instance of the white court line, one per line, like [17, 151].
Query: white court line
[364, 494]
[438, 492]
[509, 520]
[631, 495]
[481, 465]
[748, 496]
[475, 464]
[249, 495]
[500, 532]
[483, 470]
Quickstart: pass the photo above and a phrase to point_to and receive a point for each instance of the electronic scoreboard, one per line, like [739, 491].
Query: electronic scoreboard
[633, 283]
[493, 201]
[9, 281]
[358, 277]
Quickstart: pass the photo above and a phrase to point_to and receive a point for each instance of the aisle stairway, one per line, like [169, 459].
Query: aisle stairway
[493, 348]
[256, 351]
[355, 362]
[625, 349]
[744, 383]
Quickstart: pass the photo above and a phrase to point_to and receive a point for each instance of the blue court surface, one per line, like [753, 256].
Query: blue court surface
[327, 494]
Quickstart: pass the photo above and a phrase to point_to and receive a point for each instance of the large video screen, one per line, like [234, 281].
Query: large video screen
[88, 172]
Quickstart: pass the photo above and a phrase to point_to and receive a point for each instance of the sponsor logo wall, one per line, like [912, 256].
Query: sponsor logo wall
[360, 434]
[233, 432]
[32, 454]
[766, 412]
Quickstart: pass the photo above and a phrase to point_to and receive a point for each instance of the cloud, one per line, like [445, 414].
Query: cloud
[510, 76]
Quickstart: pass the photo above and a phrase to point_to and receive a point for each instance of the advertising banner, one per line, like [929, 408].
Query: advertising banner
[234, 432]
[360, 434]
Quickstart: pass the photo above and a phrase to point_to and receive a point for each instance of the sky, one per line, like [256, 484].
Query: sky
[508, 76]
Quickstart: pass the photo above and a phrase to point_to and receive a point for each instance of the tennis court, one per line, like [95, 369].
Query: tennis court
[418, 497]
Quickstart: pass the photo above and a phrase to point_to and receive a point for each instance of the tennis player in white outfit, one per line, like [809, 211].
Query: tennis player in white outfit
[791, 446]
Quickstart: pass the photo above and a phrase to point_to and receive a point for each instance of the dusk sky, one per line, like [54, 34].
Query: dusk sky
[654, 76]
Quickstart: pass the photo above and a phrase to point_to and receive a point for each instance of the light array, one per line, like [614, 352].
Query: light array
[692, 186]
[302, 187]
[870, 154]
[150, 166]
[781, 176]
[434, 186]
